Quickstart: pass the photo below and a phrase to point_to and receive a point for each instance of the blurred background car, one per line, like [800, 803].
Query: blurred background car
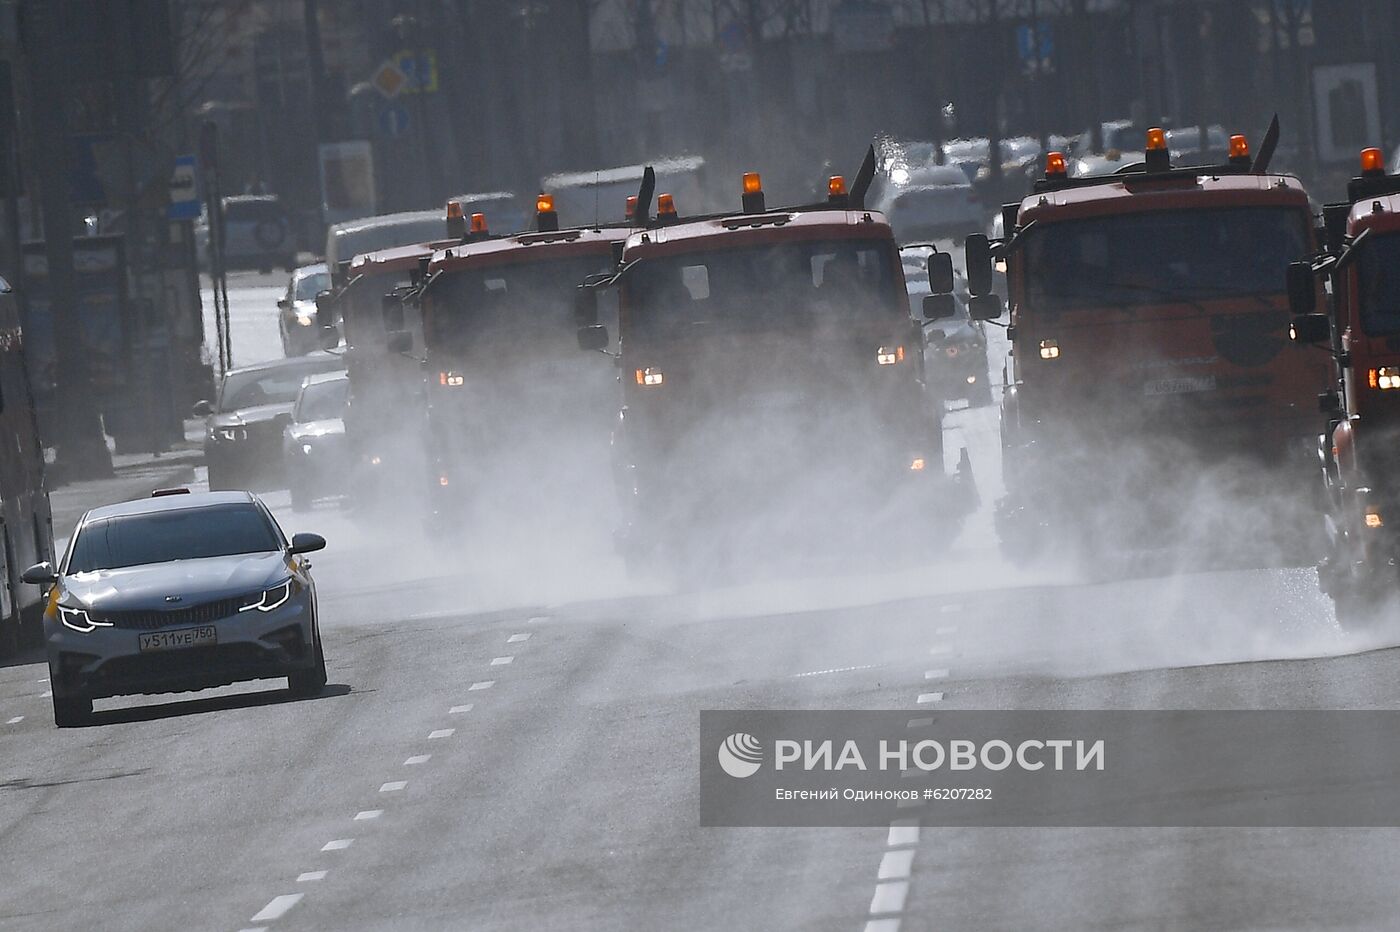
[314, 447]
[955, 348]
[243, 425]
[296, 320]
[932, 202]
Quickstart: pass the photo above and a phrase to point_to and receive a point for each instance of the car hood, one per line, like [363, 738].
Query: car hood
[257, 415]
[308, 430]
[195, 581]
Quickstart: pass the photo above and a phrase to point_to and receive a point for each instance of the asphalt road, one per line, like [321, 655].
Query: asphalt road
[510, 735]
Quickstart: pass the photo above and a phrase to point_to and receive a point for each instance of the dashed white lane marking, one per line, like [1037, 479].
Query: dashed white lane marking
[46, 694]
[442, 733]
[950, 607]
[459, 709]
[889, 897]
[278, 907]
[483, 684]
[903, 832]
[908, 803]
[368, 814]
[533, 619]
[258, 929]
[340, 844]
[16, 720]
[517, 638]
[939, 651]
[866, 666]
[882, 925]
[311, 875]
[895, 865]
[417, 759]
[393, 786]
[920, 722]
[501, 661]
[42, 679]
[946, 629]
[930, 697]
[940, 674]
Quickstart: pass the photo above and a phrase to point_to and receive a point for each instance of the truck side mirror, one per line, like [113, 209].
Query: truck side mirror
[940, 273]
[593, 337]
[1310, 328]
[400, 341]
[1302, 288]
[585, 306]
[325, 301]
[202, 409]
[329, 337]
[985, 307]
[391, 309]
[977, 252]
[939, 306]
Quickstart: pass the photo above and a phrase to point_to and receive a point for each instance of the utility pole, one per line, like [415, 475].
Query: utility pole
[77, 427]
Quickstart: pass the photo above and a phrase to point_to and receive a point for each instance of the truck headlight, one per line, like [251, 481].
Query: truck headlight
[1049, 349]
[1385, 378]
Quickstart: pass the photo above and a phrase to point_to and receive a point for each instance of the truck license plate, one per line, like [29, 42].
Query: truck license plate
[179, 639]
[1180, 386]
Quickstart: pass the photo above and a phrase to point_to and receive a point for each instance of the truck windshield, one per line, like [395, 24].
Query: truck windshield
[1380, 284]
[811, 285]
[522, 306]
[1163, 257]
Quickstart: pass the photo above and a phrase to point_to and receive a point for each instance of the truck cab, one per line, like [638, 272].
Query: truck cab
[1149, 379]
[1359, 326]
[383, 342]
[772, 383]
[514, 413]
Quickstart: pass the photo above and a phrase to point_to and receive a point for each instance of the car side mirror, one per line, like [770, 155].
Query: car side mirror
[1310, 328]
[585, 306]
[306, 543]
[985, 307]
[940, 273]
[283, 303]
[202, 409]
[400, 341]
[40, 574]
[977, 252]
[593, 337]
[939, 306]
[1302, 288]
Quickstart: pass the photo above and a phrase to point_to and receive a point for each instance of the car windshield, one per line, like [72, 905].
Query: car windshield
[811, 285]
[322, 401]
[522, 307]
[181, 534]
[279, 385]
[1163, 256]
[1379, 271]
[310, 284]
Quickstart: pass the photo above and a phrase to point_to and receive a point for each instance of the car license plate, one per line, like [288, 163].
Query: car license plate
[1180, 386]
[180, 638]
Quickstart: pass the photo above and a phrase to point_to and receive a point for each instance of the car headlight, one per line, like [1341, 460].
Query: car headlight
[304, 321]
[306, 448]
[79, 620]
[272, 598]
[231, 434]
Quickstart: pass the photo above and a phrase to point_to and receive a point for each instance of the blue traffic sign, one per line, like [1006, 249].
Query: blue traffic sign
[184, 189]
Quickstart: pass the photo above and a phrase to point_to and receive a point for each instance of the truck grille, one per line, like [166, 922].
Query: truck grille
[193, 615]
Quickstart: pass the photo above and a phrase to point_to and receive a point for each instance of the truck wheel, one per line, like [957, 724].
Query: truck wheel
[71, 713]
[1357, 611]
